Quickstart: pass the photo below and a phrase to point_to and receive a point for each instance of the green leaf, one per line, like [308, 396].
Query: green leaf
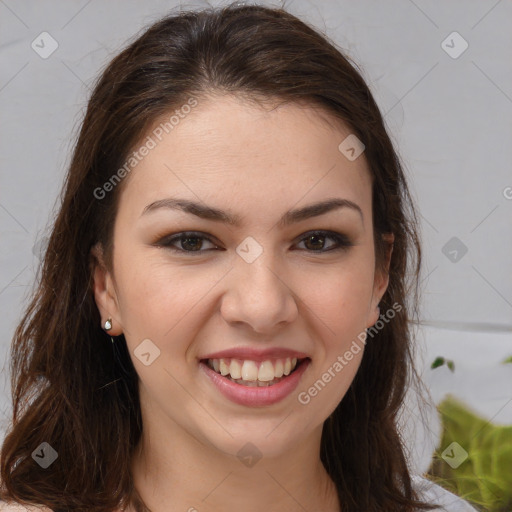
[484, 477]
[508, 360]
[439, 361]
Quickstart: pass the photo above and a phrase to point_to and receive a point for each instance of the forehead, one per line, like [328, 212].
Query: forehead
[230, 150]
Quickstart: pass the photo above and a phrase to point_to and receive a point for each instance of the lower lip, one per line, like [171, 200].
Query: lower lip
[255, 396]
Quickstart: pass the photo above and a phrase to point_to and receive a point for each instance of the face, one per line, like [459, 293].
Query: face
[281, 288]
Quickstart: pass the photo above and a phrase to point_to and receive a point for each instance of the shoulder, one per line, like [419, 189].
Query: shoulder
[17, 507]
[430, 491]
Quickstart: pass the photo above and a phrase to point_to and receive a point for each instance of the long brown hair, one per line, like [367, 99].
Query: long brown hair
[78, 392]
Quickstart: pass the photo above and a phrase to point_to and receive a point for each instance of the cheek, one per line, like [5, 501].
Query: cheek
[163, 301]
[340, 295]
[341, 305]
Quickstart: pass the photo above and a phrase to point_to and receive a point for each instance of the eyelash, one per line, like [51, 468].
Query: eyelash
[342, 241]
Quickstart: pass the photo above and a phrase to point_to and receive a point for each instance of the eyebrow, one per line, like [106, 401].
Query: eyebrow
[291, 217]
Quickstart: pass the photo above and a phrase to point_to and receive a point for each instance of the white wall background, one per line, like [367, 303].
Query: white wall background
[450, 117]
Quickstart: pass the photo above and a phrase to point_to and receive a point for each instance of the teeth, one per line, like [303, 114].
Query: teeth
[252, 384]
[224, 368]
[235, 369]
[266, 371]
[249, 371]
[252, 373]
[279, 369]
[287, 366]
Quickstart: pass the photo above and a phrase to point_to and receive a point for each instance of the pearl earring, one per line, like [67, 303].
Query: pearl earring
[108, 324]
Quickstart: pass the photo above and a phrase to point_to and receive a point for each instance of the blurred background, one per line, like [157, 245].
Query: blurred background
[442, 75]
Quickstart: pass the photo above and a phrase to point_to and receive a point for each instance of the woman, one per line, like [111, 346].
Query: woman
[222, 320]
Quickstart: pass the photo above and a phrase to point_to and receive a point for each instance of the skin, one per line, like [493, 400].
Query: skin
[257, 163]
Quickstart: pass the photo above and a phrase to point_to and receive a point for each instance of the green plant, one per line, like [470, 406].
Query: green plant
[483, 476]
[440, 361]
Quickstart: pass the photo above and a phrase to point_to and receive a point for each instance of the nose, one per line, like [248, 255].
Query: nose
[259, 296]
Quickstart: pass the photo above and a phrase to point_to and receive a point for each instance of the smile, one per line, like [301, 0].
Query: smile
[253, 373]
[255, 383]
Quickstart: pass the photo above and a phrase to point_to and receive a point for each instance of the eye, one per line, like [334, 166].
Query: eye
[314, 240]
[192, 242]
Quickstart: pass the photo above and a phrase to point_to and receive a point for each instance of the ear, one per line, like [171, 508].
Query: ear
[104, 291]
[381, 280]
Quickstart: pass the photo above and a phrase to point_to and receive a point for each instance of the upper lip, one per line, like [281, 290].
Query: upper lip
[254, 354]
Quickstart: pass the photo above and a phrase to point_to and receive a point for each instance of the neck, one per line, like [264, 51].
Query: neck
[173, 470]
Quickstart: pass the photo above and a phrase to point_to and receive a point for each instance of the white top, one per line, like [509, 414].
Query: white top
[431, 492]
[427, 490]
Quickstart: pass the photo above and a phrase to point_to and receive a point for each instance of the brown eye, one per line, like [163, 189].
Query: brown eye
[315, 241]
[189, 242]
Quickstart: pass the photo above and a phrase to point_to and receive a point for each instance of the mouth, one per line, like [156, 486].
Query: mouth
[255, 383]
[254, 373]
